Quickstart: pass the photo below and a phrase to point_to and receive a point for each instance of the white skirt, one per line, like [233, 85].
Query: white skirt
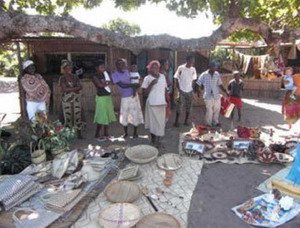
[155, 119]
[131, 112]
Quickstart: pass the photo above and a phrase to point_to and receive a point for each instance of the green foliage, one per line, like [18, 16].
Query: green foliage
[221, 55]
[123, 27]
[244, 35]
[8, 60]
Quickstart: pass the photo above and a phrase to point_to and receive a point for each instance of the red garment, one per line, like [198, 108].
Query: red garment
[224, 105]
[237, 101]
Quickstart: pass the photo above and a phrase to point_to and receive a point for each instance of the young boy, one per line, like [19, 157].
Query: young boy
[288, 82]
[235, 87]
[134, 77]
[104, 114]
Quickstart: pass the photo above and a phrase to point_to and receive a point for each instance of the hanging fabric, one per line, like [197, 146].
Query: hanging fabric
[293, 52]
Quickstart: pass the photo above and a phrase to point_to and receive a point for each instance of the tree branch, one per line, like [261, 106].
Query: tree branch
[15, 26]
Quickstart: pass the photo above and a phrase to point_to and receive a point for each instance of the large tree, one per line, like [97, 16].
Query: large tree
[123, 27]
[274, 20]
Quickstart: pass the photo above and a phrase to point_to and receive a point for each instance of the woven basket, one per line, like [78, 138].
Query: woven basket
[120, 215]
[122, 192]
[169, 161]
[141, 154]
[39, 159]
[158, 220]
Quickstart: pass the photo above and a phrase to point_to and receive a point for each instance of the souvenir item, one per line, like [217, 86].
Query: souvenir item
[156, 197]
[158, 220]
[141, 154]
[226, 107]
[286, 203]
[233, 153]
[219, 155]
[37, 156]
[265, 155]
[243, 132]
[122, 192]
[128, 173]
[119, 215]
[211, 137]
[145, 192]
[16, 189]
[291, 144]
[202, 129]
[266, 211]
[73, 181]
[169, 161]
[240, 144]
[60, 166]
[278, 148]
[90, 173]
[193, 147]
[286, 187]
[162, 191]
[59, 200]
[284, 158]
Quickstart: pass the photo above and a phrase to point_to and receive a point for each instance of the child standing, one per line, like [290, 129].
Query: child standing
[134, 77]
[104, 114]
[235, 87]
[288, 82]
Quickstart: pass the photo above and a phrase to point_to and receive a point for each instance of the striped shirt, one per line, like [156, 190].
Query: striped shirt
[211, 84]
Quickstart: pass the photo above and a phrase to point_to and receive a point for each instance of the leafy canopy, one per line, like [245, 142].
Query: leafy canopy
[123, 27]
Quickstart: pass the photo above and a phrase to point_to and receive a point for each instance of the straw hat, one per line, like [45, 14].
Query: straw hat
[169, 161]
[158, 220]
[122, 192]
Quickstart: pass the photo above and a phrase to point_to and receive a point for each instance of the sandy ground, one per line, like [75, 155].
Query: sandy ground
[220, 186]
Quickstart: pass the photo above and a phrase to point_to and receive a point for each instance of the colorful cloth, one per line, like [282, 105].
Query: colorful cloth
[291, 108]
[155, 119]
[131, 112]
[104, 113]
[237, 101]
[123, 77]
[71, 103]
[211, 84]
[36, 88]
[185, 100]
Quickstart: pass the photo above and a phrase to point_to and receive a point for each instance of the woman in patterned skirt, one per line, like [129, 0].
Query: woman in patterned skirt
[71, 99]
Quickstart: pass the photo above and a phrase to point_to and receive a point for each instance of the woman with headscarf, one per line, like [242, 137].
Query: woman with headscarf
[155, 86]
[71, 99]
[36, 89]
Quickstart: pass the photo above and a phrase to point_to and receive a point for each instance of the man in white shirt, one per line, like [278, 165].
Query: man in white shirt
[211, 82]
[185, 78]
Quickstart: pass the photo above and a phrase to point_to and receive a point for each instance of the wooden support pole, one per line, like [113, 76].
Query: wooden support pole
[21, 90]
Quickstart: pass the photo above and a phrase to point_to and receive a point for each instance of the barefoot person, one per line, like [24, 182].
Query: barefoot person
[235, 88]
[130, 111]
[155, 86]
[36, 89]
[104, 113]
[71, 99]
[211, 82]
[185, 78]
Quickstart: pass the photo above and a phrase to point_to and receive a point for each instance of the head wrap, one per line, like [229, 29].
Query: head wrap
[213, 64]
[27, 63]
[150, 65]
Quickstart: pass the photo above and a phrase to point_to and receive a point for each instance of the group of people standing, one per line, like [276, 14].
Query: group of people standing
[156, 88]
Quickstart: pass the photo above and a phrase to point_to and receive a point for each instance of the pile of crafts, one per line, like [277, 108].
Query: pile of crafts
[123, 192]
[55, 187]
[243, 143]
